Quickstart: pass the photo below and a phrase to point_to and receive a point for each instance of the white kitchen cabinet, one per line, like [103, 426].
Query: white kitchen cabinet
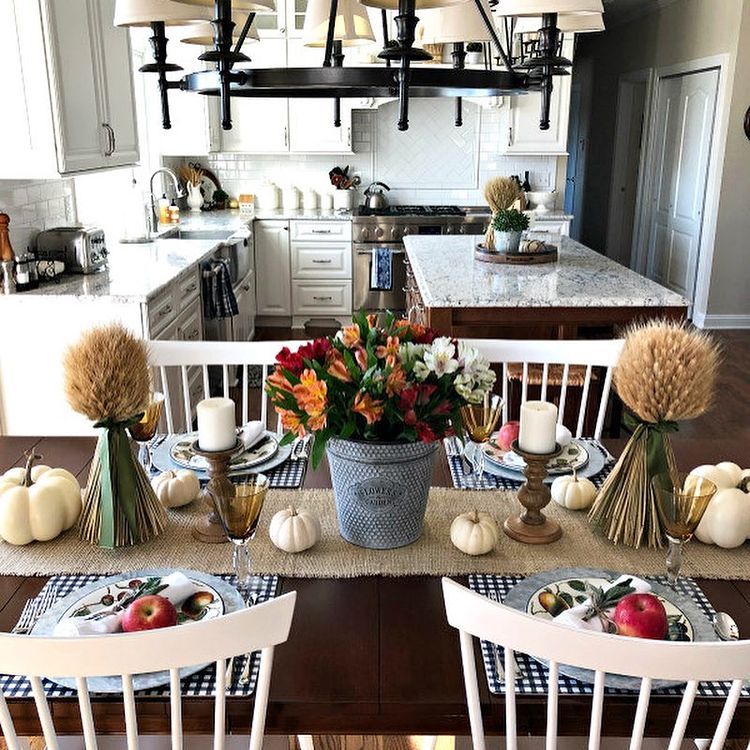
[320, 299]
[273, 268]
[68, 88]
[245, 322]
[523, 136]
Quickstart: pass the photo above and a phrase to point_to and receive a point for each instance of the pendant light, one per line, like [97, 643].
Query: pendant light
[135, 13]
[236, 4]
[203, 33]
[578, 23]
[352, 25]
[520, 8]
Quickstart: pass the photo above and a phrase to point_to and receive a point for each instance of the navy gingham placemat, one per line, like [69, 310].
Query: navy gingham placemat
[201, 684]
[465, 481]
[535, 680]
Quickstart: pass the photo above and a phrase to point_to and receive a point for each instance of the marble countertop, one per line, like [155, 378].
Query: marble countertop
[135, 273]
[448, 276]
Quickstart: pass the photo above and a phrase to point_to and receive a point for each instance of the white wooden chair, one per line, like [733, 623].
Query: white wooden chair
[181, 373]
[476, 616]
[259, 628]
[548, 358]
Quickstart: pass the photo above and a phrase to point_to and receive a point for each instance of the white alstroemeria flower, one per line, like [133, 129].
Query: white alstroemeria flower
[421, 371]
[440, 357]
[409, 353]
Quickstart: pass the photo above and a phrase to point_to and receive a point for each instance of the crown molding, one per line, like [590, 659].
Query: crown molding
[648, 7]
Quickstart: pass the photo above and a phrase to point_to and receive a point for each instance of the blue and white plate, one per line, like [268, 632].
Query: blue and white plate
[96, 596]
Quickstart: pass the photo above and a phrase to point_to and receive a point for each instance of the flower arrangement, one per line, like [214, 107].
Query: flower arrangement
[396, 382]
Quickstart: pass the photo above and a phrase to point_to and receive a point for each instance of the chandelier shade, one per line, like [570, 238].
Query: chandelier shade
[419, 4]
[236, 4]
[352, 26]
[575, 24]
[203, 33]
[133, 13]
[521, 8]
[457, 23]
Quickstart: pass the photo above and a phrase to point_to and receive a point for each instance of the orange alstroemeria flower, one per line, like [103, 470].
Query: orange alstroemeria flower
[396, 381]
[317, 423]
[311, 394]
[336, 366]
[350, 335]
[277, 379]
[389, 352]
[370, 409]
[372, 319]
[292, 422]
[360, 355]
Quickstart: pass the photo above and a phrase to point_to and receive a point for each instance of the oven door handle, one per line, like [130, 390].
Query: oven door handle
[368, 251]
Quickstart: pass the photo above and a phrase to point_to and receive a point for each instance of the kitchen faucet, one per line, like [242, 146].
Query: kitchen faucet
[178, 191]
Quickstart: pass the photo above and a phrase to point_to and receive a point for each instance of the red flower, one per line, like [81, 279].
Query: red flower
[423, 335]
[410, 417]
[315, 350]
[425, 392]
[443, 408]
[425, 433]
[408, 398]
[291, 361]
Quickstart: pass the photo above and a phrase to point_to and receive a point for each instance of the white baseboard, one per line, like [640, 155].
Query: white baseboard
[723, 322]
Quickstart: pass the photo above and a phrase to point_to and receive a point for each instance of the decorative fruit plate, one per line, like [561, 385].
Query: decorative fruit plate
[573, 457]
[547, 594]
[213, 598]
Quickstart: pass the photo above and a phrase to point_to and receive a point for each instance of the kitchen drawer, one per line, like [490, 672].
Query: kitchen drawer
[188, 287]
[322, 230]
[321, 260]
[162, 310]
[319, 298]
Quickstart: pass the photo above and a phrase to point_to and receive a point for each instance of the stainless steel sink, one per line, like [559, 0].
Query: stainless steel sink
[198, 234]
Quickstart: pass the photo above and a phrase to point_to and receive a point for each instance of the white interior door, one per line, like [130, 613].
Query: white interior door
[683, 130]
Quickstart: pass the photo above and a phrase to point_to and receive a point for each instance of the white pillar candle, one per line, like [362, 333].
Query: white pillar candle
[217, 430]
[538, 426]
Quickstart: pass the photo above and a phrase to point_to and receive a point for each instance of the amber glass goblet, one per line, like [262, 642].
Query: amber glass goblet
[239, 511]
[479, 421]
[144, 431]
[681, 501]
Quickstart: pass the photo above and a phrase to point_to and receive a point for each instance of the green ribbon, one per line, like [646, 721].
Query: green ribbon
[656, 450]
[118, 478]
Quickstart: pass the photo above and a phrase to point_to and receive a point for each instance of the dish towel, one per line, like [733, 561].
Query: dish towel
[575, 616]
[177, 588]
[381, 269]
[218, 297]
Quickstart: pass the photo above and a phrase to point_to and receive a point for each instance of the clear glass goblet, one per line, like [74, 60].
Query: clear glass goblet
[145, 431]
[239, 510]
[681, 501]
[480, 421]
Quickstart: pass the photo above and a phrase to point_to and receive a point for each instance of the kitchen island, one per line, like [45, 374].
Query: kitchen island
[584, 294]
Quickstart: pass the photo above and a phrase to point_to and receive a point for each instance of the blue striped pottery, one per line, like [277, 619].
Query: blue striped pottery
[380, 490]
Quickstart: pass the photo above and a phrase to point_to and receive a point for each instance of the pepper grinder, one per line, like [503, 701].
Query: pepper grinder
[6, 255]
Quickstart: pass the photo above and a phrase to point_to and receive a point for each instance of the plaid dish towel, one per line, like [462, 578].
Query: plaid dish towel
[218, 297]
[381, 269]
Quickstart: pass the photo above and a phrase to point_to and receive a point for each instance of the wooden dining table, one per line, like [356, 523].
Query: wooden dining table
[374, 655]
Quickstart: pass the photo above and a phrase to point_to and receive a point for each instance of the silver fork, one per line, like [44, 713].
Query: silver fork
[245, 676]
[520, 673]
[33, 609]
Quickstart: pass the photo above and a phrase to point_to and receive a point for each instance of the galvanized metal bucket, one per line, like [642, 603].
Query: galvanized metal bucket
[380, 490]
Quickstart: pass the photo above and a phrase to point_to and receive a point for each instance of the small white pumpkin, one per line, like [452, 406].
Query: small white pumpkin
[723, 475]
[176, 488]
[294, 530]
[37, 503]
[474, 533]
[726, 521]
[573, 492]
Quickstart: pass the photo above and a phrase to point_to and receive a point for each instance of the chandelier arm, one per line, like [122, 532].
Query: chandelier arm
[459, 59]
[548, 39]
[245, 31]
[338, 62]
[490, 26]
[384, 22]
[329, 34]
[223, 27]
[160, 66]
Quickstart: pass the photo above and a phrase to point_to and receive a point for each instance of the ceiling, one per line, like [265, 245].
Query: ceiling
[620, 11]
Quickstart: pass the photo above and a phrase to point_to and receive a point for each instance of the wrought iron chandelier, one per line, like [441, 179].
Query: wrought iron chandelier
[397, 78]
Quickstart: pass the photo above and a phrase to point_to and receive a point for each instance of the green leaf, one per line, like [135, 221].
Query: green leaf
[319, 447]
[567, 598]
[348, 429]
[577, 585]
[289, 437]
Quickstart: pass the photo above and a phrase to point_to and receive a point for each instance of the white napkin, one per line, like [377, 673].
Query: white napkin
[251, 433]
[573, 617]
[178, 588]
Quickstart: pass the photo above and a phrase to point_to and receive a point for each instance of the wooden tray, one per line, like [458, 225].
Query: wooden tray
[522, 259]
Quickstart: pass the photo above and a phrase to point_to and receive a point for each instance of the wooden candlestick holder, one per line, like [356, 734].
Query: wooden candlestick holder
[209, 529]
[531, 526]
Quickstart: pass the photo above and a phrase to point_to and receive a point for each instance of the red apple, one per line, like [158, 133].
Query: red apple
[149, 613]
[508, 433]
[641, 616]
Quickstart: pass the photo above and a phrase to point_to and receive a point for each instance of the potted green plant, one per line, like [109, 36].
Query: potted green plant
[508, 225]
[378, 398]
[474, 53]
[220, 199]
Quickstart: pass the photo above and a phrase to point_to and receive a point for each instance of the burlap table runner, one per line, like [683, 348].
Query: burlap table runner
[332, 557]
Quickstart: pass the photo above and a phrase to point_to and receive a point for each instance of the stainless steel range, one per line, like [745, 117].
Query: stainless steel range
[386, 229]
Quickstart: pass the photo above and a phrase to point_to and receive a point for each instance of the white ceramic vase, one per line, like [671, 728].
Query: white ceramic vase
[195, 197]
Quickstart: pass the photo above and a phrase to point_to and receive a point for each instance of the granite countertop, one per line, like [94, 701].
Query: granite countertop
[549, 216]
[135, 273]
[448, 276]
[304, 214]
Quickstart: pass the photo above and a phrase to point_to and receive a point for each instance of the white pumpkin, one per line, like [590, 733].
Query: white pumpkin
[37, 503]
[294, 530]
[176, 488]
[474, 533]
[726, 521]
[723, 475]
[573, 492]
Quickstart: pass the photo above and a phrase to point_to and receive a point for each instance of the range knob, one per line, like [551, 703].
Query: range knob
[379, 232]
[450, 229]
[364, 233]
[462, 229]
[406, 230]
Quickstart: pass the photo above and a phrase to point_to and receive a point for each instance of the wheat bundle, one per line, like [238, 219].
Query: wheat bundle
[107, 380]
[500, 193]
[666, 374]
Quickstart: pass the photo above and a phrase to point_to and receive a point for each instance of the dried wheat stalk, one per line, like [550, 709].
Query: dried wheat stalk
[666, 374]
[501, 193]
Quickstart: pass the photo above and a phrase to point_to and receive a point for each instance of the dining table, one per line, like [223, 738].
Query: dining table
[375, 655]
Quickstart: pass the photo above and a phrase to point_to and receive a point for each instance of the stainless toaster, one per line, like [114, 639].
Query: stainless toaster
[81, 249]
